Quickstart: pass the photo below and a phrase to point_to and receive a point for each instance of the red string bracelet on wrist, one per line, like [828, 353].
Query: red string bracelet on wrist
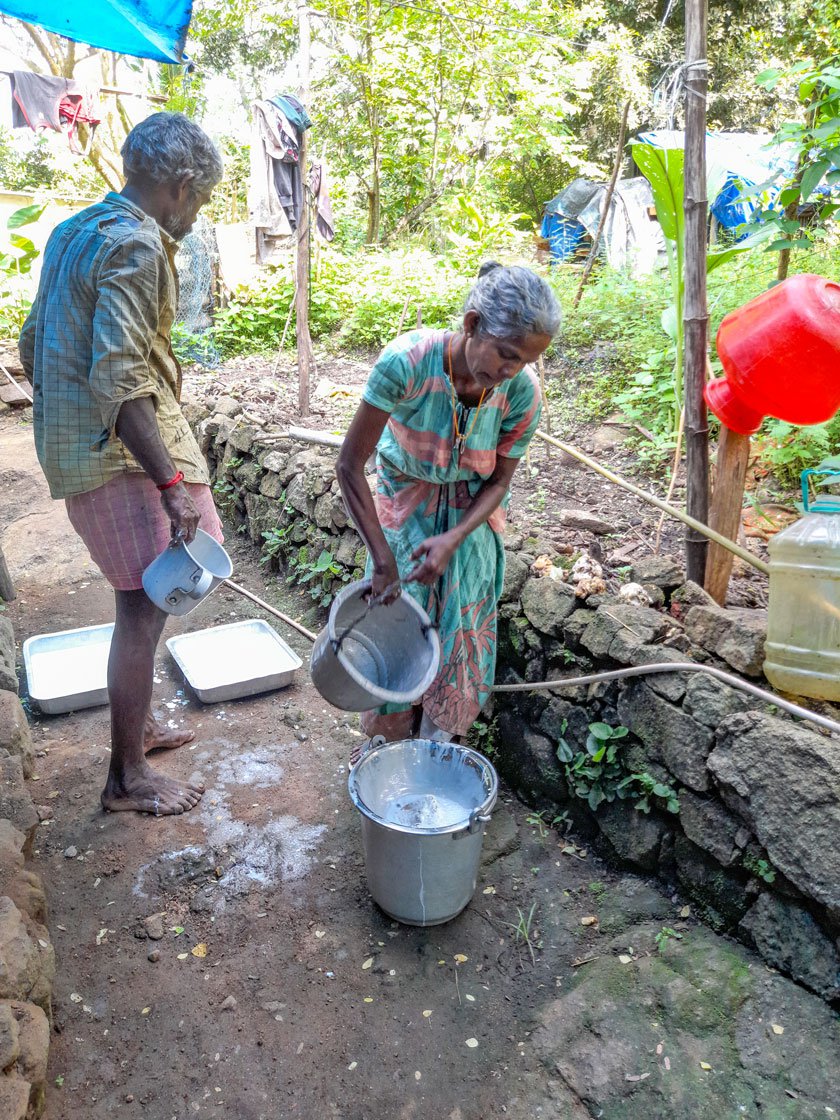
[179, 477]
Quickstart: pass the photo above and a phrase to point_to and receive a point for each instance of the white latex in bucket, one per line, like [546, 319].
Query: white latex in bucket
[184, 574]
[424, 806]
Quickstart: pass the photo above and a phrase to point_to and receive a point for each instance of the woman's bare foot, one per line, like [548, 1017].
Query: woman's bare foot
[157, 737]
[144, 790]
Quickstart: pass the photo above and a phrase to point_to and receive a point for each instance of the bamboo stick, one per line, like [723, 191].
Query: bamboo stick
[271, 610]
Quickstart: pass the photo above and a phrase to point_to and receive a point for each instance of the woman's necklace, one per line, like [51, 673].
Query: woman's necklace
[461, 438]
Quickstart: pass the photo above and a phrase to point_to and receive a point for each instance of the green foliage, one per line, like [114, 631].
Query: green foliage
[25, 162]
[665, 935]
[598, 773]
[760, 867]
[16, 262]
[814, 139]
[360, 302]
[787, 450]
[320, 576]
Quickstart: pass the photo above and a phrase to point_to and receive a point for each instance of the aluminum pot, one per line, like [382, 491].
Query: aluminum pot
[184, 574]
[373, 654]
[424, 807]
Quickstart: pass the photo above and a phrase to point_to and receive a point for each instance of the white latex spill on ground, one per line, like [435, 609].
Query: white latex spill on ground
[249, 854]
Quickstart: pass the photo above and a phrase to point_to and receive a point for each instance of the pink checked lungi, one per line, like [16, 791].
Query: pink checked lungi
[125, 526]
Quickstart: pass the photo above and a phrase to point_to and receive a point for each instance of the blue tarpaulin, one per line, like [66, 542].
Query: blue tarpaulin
[144, 28]
[735, 160]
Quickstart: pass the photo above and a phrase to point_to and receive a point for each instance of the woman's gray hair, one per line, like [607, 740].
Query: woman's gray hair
[512, 302]
[167, 146]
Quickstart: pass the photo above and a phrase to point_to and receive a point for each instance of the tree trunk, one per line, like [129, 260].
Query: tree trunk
[695, 308]
[303, 279]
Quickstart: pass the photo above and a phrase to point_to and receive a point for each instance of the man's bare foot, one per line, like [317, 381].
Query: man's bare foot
[157, 737]
[144, 790]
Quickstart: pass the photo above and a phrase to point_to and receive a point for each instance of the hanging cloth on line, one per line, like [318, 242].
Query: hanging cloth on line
[44, 101]
[293, 110]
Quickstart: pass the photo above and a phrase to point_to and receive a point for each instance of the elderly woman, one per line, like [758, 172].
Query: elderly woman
[450, 414]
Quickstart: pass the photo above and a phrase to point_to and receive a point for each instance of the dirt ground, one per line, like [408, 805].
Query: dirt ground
[280, 989]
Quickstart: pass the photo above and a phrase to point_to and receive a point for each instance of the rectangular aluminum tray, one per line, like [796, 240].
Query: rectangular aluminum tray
[239, 659]
[68, 670]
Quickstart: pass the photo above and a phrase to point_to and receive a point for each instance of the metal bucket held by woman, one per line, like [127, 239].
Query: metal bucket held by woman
[424, 807]
[371, 654]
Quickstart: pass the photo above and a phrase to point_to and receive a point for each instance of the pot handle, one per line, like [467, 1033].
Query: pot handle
[478, 818]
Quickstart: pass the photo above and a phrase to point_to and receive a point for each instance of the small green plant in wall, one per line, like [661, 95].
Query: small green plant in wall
[760, 867]
[598, 773]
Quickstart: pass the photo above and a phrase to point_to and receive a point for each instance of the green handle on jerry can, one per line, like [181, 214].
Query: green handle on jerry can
[824, 505]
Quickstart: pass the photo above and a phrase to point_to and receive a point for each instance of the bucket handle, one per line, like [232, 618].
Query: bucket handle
[478, 818]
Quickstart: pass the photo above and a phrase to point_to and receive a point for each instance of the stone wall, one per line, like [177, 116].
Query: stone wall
[755, 843]
[27, 959]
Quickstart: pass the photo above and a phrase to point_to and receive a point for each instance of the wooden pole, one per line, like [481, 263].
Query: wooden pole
[695, 308]
[7, 587]
[602, 221]
[305, 356]
[733, 456]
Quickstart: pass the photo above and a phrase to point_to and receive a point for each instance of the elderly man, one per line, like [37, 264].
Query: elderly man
[110, 435]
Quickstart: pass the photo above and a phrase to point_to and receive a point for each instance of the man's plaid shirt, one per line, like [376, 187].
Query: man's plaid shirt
[98, 335]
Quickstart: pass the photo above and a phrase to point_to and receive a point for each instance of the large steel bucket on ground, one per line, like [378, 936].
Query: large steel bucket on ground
[371, 654]
[424, 806]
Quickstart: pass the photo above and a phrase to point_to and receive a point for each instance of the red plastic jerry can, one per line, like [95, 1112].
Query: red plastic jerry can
[781, 357]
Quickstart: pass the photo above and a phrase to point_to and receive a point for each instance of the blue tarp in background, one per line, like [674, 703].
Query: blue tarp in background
[743, 159]
[145, 28]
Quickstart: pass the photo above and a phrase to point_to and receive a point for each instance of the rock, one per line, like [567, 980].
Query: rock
[656, 596]
[516, 572]
[673, 738]
[583, 519]
[15, 736]
[687, 595]
[607, 437]
[706, 1000]
[71, 852]
[8, 672]
[347, 548]
[153, 956]
[501, 836]
[27, 959]
[273, 461]
[154, 927]
[663, 571]
[635, 837]
[242, 438]
[634, 594]
[24, 1049]
[629, 901]
[14, 1098]
[546, 603]
[531, 764]
[708, 825]
[15, 803]
[226, 406]
[322, 513]
[618, 631]
[670, 685]
[271, 486]
[782, 780]
[249, 475]
[710, 701]
[719, 893]
[228, 1004]
[736, 637]
[296, 495]
[789, 939]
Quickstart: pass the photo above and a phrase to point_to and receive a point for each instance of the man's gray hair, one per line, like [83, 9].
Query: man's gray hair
[167, 146]
[513, 302]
